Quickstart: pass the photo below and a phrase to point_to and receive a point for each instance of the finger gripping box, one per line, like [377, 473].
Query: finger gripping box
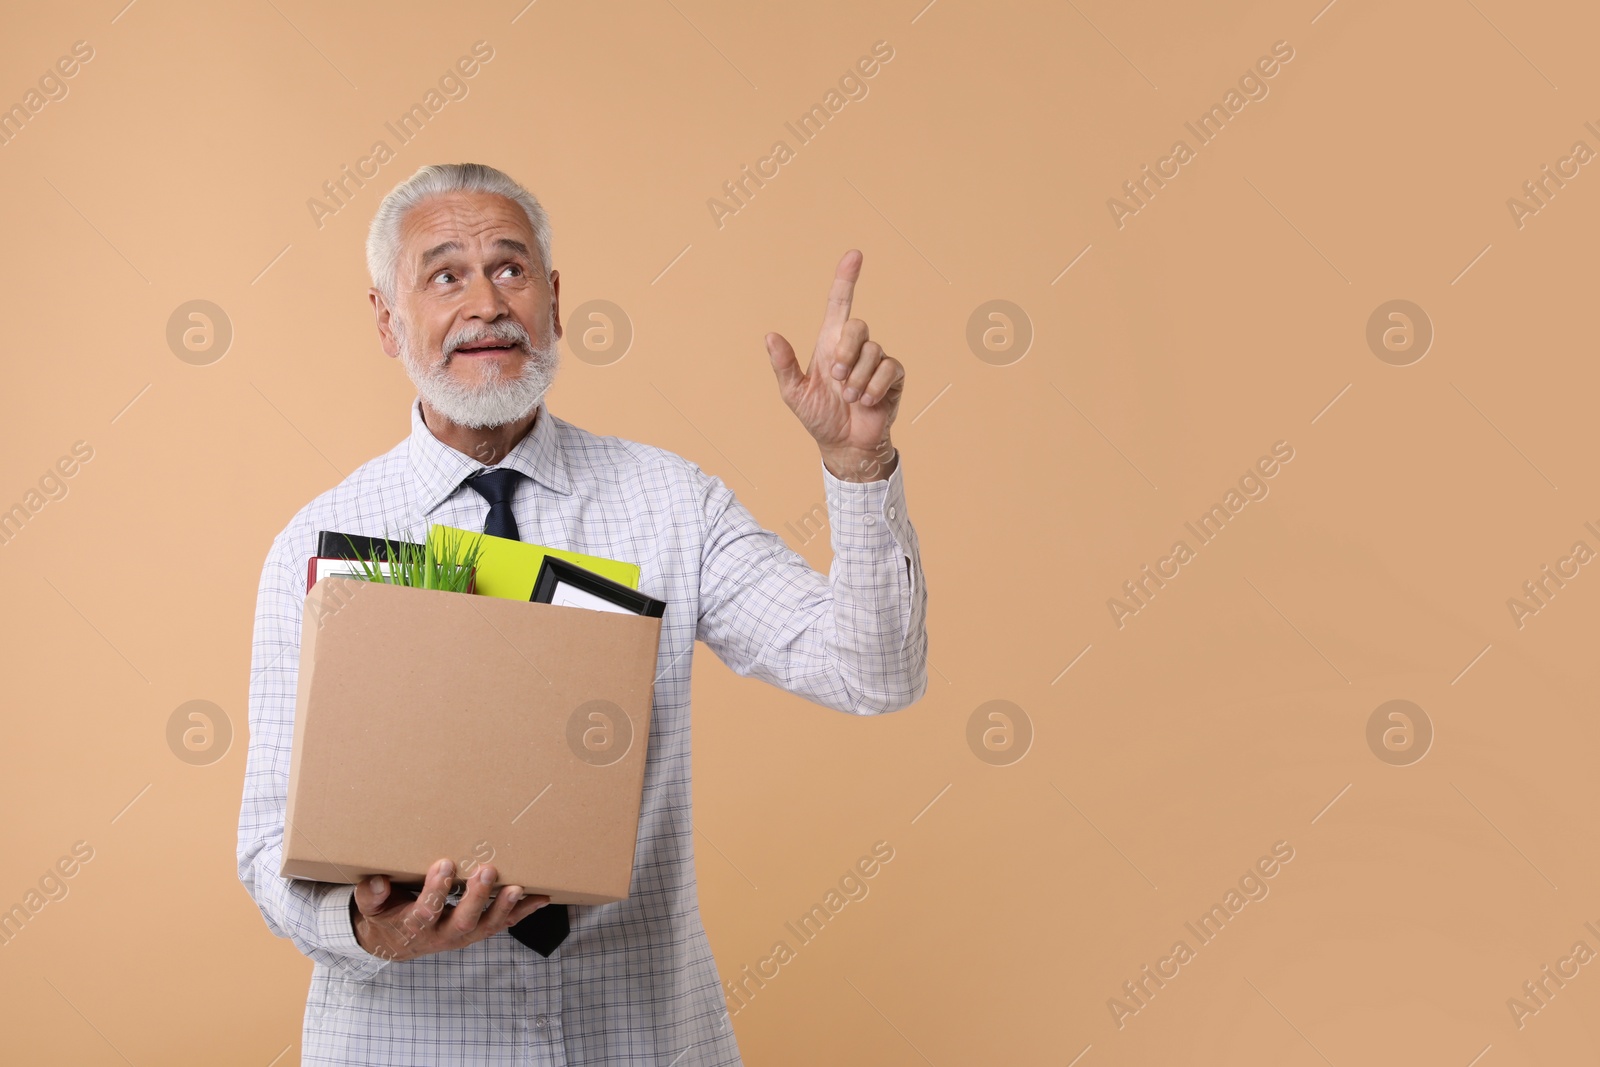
[428, 723]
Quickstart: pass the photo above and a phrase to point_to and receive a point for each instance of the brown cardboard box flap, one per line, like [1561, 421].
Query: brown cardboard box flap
[432, 724]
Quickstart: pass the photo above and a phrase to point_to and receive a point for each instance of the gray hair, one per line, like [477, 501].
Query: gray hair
[383, 237]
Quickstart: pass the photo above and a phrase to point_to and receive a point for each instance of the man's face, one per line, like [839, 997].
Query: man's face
[476, 316]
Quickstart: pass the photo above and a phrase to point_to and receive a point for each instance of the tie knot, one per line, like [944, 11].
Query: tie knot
[496, 486]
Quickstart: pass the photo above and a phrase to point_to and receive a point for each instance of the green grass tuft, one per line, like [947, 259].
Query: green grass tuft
[445, 561]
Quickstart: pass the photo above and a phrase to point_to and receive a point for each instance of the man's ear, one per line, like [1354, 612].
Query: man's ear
[555, 302]
[384, 316]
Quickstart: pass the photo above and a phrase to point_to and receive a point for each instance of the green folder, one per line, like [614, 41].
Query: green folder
[507, 567]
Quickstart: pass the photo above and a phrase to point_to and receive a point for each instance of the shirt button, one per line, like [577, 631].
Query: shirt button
[869, 520]
[891, 511]
[540, 1022]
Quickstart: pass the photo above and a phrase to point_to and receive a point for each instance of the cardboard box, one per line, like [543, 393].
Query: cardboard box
[428, 723]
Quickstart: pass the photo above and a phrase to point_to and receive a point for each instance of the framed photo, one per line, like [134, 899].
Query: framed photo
[321, 567]
[569, 585]
[334, 545]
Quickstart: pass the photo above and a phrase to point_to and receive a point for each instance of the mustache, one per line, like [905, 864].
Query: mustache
[505, 330]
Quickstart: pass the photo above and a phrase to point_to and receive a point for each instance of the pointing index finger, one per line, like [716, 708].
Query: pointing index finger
[840, 296]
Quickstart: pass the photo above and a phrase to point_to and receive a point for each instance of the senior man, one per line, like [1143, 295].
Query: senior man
[465, 297]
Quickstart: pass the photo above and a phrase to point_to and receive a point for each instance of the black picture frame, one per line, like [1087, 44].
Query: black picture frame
[554, 571]
[331, 544]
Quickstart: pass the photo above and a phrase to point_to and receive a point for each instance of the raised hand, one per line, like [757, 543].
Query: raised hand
[849, 395]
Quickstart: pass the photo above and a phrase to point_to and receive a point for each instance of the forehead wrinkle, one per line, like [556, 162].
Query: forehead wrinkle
[459, 231]
[438, 250]
[507, 243]
[460, 219]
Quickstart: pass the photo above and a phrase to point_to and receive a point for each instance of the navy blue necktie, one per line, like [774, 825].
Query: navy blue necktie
[546, 928]
[498, 487]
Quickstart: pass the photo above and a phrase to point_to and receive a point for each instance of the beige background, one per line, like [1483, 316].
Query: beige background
[1227, 315]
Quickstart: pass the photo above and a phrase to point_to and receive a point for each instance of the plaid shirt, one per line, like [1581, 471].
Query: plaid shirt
[634, 982]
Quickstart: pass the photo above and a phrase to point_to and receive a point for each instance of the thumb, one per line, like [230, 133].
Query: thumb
[371, 893]
[784, 365]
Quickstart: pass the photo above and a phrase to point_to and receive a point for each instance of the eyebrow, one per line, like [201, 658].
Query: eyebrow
[455, 246]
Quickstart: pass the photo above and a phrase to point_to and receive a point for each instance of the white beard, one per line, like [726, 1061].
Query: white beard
[496, 400]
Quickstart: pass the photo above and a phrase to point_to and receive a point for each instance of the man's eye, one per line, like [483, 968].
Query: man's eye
[514, 267]
[445, 274]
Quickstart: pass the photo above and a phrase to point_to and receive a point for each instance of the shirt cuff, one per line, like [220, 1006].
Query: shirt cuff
[867, 517]
[334, 930]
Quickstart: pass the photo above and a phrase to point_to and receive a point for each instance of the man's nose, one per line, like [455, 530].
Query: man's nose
[483, 299]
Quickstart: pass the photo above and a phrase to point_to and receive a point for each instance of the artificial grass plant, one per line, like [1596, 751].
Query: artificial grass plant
[440, 562]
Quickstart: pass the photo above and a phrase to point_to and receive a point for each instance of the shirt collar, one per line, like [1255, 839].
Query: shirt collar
[439, 469]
